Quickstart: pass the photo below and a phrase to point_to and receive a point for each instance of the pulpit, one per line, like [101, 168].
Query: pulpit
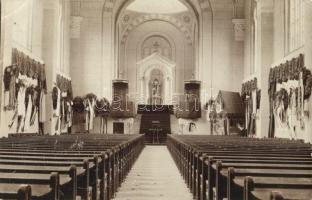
[121, 106]
[189, 106]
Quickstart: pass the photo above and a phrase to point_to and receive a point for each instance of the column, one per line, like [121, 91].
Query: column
[142, 89]
[167, 92]
[266, 59]
[146, 95]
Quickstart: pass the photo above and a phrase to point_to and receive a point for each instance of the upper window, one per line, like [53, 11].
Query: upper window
[294, 25]
[22, 23]
[157, 6]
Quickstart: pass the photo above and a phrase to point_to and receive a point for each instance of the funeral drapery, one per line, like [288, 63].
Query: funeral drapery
[62, 97]
[251, 96]
[289, 89]
[24, 90]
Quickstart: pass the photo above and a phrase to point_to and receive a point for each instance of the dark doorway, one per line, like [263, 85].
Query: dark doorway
[118, 128]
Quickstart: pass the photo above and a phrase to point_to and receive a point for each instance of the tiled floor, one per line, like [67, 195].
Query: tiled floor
[154, 176]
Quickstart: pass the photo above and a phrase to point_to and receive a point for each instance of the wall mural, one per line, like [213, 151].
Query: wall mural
[156, 44]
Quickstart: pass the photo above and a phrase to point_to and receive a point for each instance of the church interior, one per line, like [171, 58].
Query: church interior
[156, 99]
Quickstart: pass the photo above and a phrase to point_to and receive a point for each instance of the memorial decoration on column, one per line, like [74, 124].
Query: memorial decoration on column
[289, 91]
[89, 105]
[102, 110]
[78, 113]
[62, 97]
[251, 97]
[24, 93]
[56, 104]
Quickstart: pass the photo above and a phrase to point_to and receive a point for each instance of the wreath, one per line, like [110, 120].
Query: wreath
[102, 107]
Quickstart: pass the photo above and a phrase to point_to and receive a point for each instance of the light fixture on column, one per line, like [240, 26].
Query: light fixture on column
[239, 29]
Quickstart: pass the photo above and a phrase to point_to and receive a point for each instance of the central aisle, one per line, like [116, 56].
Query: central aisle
[154, 176]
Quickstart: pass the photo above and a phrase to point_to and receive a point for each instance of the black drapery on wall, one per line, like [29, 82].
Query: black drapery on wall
[294, 69]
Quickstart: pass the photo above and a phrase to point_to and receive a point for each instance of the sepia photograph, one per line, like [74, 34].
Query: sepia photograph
[155, 100]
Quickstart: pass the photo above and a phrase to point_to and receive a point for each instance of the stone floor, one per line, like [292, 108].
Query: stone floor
[154, 176]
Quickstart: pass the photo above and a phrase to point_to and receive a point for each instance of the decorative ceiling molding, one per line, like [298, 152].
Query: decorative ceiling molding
[157, 6]
[110, 5]
[160, 17]
[199, 5]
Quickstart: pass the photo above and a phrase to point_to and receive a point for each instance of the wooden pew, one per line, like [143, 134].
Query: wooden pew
[69, 189]
[22, 193]
[83, 188]
[262, 187]
[43, 186]
[198, 175]
[235, 191]
[198, 160]
[217, 172]
[94, 179]
[102, 163]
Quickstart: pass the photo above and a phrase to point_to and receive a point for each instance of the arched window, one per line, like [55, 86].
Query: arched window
[294, 13]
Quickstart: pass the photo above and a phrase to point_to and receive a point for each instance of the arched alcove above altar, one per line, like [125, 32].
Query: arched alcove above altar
[163, 89]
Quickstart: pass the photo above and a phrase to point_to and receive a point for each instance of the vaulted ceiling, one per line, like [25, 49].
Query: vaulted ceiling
[115, 6]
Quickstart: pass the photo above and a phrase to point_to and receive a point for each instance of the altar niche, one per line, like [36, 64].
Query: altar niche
[156, 80]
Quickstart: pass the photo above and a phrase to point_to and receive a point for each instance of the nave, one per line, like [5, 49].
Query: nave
[87, 85]
[122, 167]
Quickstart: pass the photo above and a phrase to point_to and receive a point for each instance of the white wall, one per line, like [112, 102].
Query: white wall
[21, 25]
[281, 56]
[226, 71]
[33, 26]
[271, 24]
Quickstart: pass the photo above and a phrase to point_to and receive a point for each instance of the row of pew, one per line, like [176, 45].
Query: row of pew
[237, 168]
[86, 167]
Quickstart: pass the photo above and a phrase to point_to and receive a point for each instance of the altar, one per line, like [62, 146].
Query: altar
[155, 122]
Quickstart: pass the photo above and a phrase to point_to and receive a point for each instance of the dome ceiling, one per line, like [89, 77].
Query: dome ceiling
[157, 6]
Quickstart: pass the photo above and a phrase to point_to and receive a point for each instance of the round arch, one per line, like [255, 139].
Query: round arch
[113, 10]
[188, 3]
[146, 18]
